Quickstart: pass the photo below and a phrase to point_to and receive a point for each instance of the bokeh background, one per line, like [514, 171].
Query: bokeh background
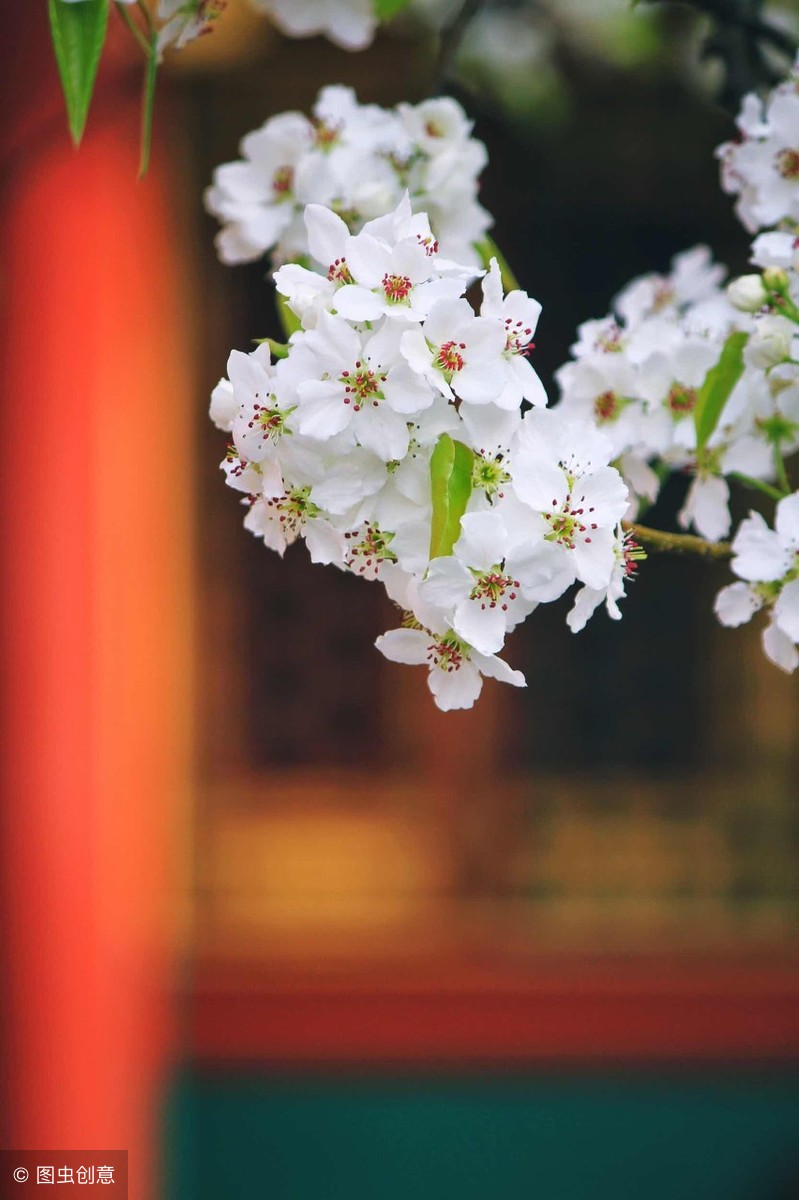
[274, 924]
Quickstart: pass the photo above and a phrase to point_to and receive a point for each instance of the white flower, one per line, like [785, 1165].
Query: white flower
[458, 353]
[357, 159]
[518, 314]
[762, 168]
[561, 474]
[627, 554]
[351, 24]
[475, 589]
[456, 669]
[186, 20]
[768, 561]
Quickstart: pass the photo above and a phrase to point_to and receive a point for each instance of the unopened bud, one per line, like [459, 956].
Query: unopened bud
[747, 293]
[775, 279]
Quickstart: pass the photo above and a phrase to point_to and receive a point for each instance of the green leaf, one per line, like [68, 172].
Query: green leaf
[78, 32]
[386, 9]
[488, 249]
[147, 102]
[717, 386]
[289, 321]
[451, 484]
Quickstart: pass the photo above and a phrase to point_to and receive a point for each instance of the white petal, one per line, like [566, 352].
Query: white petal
[483, 541]
[482, 627]
[404, 646]
[779, 648]
[787, 519]
[736, 604]
[455, 689]
[496, 668]
[786, 610]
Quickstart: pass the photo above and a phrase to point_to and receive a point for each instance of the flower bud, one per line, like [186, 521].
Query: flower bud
[775, 279]
[747, 293]
[770, 343]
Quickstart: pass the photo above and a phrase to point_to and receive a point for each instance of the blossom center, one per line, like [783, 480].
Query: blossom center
[663, 297]
[488, 474]
[325, 135]
[293, 509]
[366, 555]
[448, 654]
[517, 338]
[607, 406]
[788, 164]
[283, 182]
[681, 400]
[569, 523]
[490, 588]
[339, 272]
[449, 359]
[270, 421]
[397, 288]
[362, 386]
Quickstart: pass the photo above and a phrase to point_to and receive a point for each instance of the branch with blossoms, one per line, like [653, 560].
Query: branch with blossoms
[79, 31]
[406, 437]
[402, 431]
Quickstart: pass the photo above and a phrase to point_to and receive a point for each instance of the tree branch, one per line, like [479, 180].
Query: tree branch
[660, 542]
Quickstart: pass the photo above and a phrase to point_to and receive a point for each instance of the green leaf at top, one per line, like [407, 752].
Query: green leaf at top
[451, 483]
[289, 321]
[488, 249]
[78, 32]
[386, 9]
[717, 386]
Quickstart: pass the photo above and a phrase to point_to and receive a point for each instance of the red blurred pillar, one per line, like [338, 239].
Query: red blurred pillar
[96, 484]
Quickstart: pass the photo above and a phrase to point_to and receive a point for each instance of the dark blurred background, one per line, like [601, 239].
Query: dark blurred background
[546, 947]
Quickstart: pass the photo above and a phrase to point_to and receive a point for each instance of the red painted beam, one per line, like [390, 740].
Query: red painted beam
[636, 1016]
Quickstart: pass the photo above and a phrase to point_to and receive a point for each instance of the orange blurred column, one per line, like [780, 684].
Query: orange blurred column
[96, 503]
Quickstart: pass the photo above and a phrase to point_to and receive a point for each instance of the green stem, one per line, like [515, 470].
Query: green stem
[756, 485]
[147, 103]
[782, 474]
[660, 542]
[133, 28]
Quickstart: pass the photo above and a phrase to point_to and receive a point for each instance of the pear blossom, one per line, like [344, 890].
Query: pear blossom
[767, 561]
[475, 588]
[351, 24]
[458, 353]
[627, 554]
[186, 20]
[761, 168]
[574, 501]
[357, 160]
[456, 670]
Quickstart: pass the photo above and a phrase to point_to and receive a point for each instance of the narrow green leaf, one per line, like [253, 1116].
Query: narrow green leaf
[78, 32]
[488, 249]
[289, 321]
[386, 9]
[451, 485]
[717, 386]
[147, 103]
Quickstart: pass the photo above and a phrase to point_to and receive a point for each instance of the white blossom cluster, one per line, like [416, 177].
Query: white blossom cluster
[351, 24]
[638, 375]
[180, 21]
[762, 166]
[358, 160]
[334, 442]
[643, 373]
[767, 562]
